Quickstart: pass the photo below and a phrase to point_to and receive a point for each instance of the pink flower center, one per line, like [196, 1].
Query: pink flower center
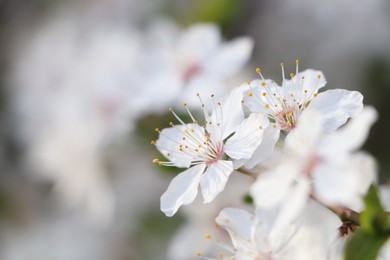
[218, 156]
[191, 72]
[287, 118]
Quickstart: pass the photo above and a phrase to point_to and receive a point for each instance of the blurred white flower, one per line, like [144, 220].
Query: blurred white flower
[327, 166]
[198, 234]
[284, 105]
[71, 102]
[256, 237]
[203, 149]
[181, 63]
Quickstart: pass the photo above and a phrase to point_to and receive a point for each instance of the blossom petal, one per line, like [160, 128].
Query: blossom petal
[350, 137]
[293, 205]
[215, 178]
[271, 188]
[182, 190]
[265, 149]
[345, 182]
[231, 57]
[256, 96]
[247, 138]
[337, 106]
[305, 84]
[170, 139]
[208, 34]
[304, 138]
[239, 223]
[232, 112]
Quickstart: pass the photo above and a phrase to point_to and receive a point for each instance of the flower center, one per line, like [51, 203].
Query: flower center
[287, 118]
[218, 156]
[191, 72]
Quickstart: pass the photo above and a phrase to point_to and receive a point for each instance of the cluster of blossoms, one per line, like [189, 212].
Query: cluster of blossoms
[300, 146]
[77, 105]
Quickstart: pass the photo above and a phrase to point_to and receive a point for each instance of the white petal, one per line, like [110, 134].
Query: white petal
[293, 205]
[182, 190]
[231, 57]
[232, 112]
[247, 137]
[350, 137]
[238, 222]
[170, 139]
[337, 106]
[305, 137]
[345, 182]
[207, 34]
[215, 178]
[265, 149]
[256, 96]
[271, 188]
[204, 84]
[312, 80]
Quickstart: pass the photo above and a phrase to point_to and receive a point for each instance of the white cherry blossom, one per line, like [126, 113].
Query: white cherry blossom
[284, 105]
[256, 237]
[189, 61]
[324, 165]
[203, 149]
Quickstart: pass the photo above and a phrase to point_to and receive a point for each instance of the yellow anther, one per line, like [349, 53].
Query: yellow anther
[171, 123]
[250, 94]
[242, 101]
[185, 104]
[195, 122]
[248, 83]
[170, 109]
[282, 64]
[263, 84]
[168, 154]
[315, 95]
[303, 77]
[155, 161]
[264, 94]
[266, 105]
[152, 142]
[291, 75]
[319, 76]
[297, 61]
[305, 91]
[198, 254]
[157, 130]
[258, 70]
[207, 236]
[196, 150]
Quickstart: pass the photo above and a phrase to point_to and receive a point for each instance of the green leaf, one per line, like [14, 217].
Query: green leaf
[374, 230]
[373, 218]
[364, 245]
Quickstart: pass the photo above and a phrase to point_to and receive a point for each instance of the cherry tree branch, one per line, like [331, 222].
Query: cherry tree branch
[343, 213]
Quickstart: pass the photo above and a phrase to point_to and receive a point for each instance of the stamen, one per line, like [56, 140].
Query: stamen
[297, 61]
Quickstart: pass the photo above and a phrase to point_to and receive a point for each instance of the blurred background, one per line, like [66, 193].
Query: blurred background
[84, 83]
